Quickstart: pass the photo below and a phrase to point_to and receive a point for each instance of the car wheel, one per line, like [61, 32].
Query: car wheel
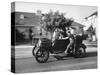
[80, 53]
[42, 56]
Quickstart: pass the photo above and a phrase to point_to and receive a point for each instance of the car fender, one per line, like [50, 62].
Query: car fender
[83, 45]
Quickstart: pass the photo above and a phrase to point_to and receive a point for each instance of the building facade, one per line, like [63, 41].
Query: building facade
[91, 23]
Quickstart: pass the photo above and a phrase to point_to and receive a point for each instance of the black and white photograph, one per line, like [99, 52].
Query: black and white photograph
[53, 37]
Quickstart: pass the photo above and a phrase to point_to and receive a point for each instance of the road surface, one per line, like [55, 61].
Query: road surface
[26, 63]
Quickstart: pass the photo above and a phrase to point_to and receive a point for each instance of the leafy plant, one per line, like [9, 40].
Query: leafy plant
[53, 20]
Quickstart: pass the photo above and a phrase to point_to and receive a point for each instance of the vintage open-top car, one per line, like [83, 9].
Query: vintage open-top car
[45, 47]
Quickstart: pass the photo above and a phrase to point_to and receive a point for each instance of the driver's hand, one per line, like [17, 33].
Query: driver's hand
[60, 37]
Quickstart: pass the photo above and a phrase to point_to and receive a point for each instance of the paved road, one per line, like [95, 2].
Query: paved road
[25, 62]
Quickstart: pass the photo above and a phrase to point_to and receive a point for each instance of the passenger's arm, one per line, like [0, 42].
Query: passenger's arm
[64, 38]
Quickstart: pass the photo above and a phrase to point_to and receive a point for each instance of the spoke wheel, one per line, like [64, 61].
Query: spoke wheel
[34, 51]
[42, 56]
[80, 53]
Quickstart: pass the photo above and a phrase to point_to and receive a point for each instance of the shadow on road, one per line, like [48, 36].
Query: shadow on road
[89, 54]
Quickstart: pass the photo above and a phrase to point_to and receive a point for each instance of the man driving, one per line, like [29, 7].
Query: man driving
[68, 35]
